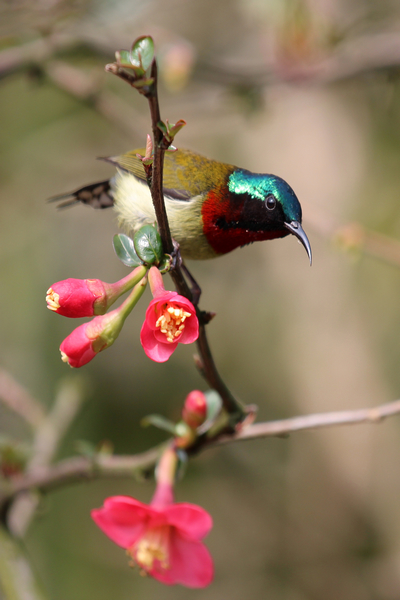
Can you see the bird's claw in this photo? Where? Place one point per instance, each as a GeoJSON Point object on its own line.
{"type": "Point", "coordinates": [171, 261]}
{"type": "Point", "coordinates": [176, 256]}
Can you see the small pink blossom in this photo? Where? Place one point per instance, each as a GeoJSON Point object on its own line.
{"type": "Point", "coordinates": [170, 319]}
{"type": "Point", "coordinates": [75, 297]}
{"type": "Point", "coordinates": [163, 538]}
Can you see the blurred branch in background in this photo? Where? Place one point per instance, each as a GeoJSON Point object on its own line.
{"type": "Point", "coordinates": [17, 579]}
{"type": "Point", "coordinates": [349, 59]}
{"type": "Point", "coordinates": [353, 237]}
{"type": "Point", "coordinates": [48, 434]}
{"type": "Point", "coordinates": [46, 478]}
{"type": "Point", "coordinates": [352, 58]}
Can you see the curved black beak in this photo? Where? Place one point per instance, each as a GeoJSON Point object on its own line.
{"type": "Point", "coordinates": [297, 230]}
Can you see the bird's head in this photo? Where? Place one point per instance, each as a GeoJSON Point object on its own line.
{"type": "Point", "coordinates": [269, 208]}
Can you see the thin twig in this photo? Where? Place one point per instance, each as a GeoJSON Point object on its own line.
{"type": "Point", "coordinates": [208, 368]}
{"type": "Point", "coordinates": [315, 421]}
{"type": "Point", "coordinates": [79, 469]}
{"type": "Point", "coordinates": [158, 166]}
{"type": "Point", "coordinates": [75, 470]}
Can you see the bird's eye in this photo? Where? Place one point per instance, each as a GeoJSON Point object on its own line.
{"type": "Point", "coordinates": [270, 202]}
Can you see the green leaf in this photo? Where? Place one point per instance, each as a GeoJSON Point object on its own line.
{"type": "Point", "coordinates": [183, 461]}
{"type": "Point", "coordinates": [123, 58]}
{"type": "Point", "coordinates": [148, 245]}
{"type": "Point", "coordinates": [125, 250]}
{"type": "Point", "coordinates": [85, 448]}
{"type": "Point", "coordinates": [142, 52]}
{"type": "Point", "coordinates": [140, 83]}
{"type": "Point", "coordinates": [214, 406]}
{"type": "Point", "coordinates": [174, 128]}
{"type": "Point", "coordinates": [162, 127]}
{"type": "Point", "coordinates": [160, 422]}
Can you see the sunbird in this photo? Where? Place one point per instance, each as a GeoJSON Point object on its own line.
{"type": "Point", "coordinates": [212, 207]}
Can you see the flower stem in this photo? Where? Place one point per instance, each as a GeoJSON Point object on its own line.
{"type": "Point", "coordinates": [115, 290]}
{"type": "Point", "coordinates": [129, 304]}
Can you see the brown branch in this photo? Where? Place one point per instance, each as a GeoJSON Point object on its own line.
{"type": "Point", "coordinates": [210, 373]}
{"type": "Point", "coordinates": [315, 421]}
{"type": "Point", "coordinates": [74, 470]}
{"type": "Point", "coordinates": [208, 368]}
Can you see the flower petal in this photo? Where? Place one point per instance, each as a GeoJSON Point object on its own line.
{"type": "Point", "coordinates": [190, 519]}
{"type": "Point", "coordinates": [157, 351]}
{"type": "Point", "coordinates": [122, 519]}
{"type": "Point", "coordinates": [191, 562]}
{"type": "Point", "coordinates": [191, 331]}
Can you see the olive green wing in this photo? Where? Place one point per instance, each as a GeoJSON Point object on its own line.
{"type": "Point", "coordinates": [186, 174]}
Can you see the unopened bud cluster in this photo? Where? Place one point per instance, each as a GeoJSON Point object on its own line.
{"type": "Point", "coordinates": [170, 318]}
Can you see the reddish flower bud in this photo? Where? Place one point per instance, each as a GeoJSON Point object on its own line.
{"type": "Point", "coordinates": [77, 348]}
{"type": "Point", "coordinates": [88, 297]}
{"type": "Point", "coordinates": [194, 411]}
{"type": "Point", "coordinates": [82, 345]}
{"type": "Point", "coordinates": [75, 297]}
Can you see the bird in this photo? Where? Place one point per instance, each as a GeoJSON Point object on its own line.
{"type": "Point", "coordinates": [212, 207]}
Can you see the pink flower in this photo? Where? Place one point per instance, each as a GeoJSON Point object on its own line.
{"type": "Point", "coordinates": [75, 297]}
{"type": "Point", "coordinates": [162, 538]}
{"type": "Point", "coordinates": [82, 345]}
{"type": "Point", "coordinates": [170, 319]}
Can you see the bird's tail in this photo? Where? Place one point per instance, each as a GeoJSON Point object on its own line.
{"type": "Point", "coordinates": [96, 195]}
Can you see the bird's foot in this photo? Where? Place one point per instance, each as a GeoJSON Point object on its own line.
{"type": "Point", "coordinates": [171, 261]}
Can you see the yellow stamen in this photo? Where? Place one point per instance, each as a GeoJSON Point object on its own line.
{"type": "Point", "coordinates": [64, 357]}
{"type": "Point", "coordinates": [154, 545]}
{"type": "Point", "coordinates": [171, 322]}
{"type": "Point", "coordinates": [52, 299]}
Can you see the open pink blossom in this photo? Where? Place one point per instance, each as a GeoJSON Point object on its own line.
{"type": "Point", "coordinates": [170, 319]}
{"type": "Point", "coordinates": [162, 538]}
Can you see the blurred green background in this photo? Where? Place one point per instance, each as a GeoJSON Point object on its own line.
{"type": "Point", "coordinates": [273, 86]}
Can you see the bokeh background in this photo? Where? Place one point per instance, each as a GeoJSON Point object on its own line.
{"type": "Point", "coordinates": [308, 90]}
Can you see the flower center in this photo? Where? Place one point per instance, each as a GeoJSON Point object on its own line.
{"type": "Point", "coordinates": [172, 321]}
{"type": "Point", "coordinates": [52, 299]}
{"type": "Point", "coordinates": [154, 545]}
